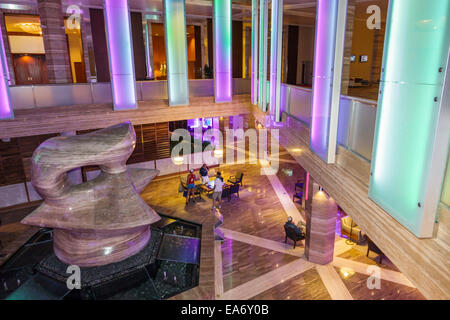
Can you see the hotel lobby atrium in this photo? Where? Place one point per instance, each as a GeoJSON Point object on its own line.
{"type": "Point", "coordinates": [224, 150]}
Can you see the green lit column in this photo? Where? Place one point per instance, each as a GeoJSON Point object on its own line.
{"type": "Point", "coordinates": [412, 126]}
{"type": "Point", "coordinates": [263, 33]}
{"type": "Point", "coordinates": [176, 52]}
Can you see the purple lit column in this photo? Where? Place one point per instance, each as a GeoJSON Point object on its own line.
{"type": "Point", "coordinates": [276, 34]}
{"type": "Point", "coordinates": [222, 50]}
{"type": "Point", "coordinates": [329, 48]}
{"type": "Point", "coordinates": [5, 99]}
{"type": "Point", "coordinates": [118, 34]}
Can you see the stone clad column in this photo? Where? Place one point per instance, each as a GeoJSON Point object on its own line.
{"type": "Point", "coordinates": [6, 53]}
{"type": "Point", "coordinates": [321, 213]}
{"type": "Point", "coordinates": [55, 43]}
{"type": "Point", "coordinates": [5, 99]}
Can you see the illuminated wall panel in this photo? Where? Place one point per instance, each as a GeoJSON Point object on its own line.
{"type": "Point", "coordinates": [329, 50]}
{"type": "Point", "coordinates": [176, 49]}
{"type": "Point", "coordinates": [412, 131]}
{"type": "Point", "coordinates": [5, 99]}
{"type": "Point", "coordinates": [263, 32]}
{"type": "Point", "coordinates": [120, 50]}
{"type": "Point", "coordinates": [255, 35]}
{"type": "Point", "coordinates": [222, 50]}
{"type": "Point", "coordinates": [276, 35]}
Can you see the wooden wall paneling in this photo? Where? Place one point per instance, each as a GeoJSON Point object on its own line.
{"type": "Point", "coordinates": [138, 152]}
{"type": "Point", "coordinates": [149, 141]}
{"type": "Point", "coordinates": [162, 140]}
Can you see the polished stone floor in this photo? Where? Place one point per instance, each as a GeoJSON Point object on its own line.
{"type": "Point", "coordinates": [254, 262]}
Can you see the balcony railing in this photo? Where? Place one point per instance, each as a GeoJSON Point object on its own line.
{"type": "Point", "coordinates": [58, 95]}
{"type": "Point", "coordinates": [356, 126]}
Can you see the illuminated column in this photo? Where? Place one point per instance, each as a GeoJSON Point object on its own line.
{"type": "Point", "coordinates": [276, 36]}
{"type": "Point", "coordinates": [176, 50]}
{"type": "Point", "coordinates": [255, 36]}
{"type": "Point", "coordinates": [148, 48]}
{"type": "Point", "coordinates": [263, 32]}
{"type": "Point", "coordinates": [329, 53]}
{"type": "Point", "coordinates": [120, 52]}
{"type": "Point", "coordinates": [222, 50]}
{"type": "Point", "coordinates": [5, 99]}
{"type": "Point", "coordinates": [412, 128]}
{"type": "Point", "coordinates": [321, 214]}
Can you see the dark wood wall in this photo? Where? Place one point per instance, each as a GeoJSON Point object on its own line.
{"type": "Point", "coordinates": [237, 48]}
{"type": "Point", "coordinates": [152, 143]}
{"type": "Point", "coordinates": [198, 52]}
{"type": "Point", "coordinates": [292, 54]}
{"type": "Point", "coordinates": [100, 46]}
{"type": "Point", "coordinates": [137, 31]}
{"type": "Point", "coordinates": [210, 44]}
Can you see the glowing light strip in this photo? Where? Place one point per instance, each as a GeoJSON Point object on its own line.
{"type": "Point", "coordinates": [275, 58]}
{"type": "Point", "coordinates": [412, 132]}
{"type": "Point", "coordinates": [5, 98]}
{"type": "Point", "coordinates": [255, 36]}
{"type": "Point", "coordinates": [263, 26]}
{"type": "Point", "coordinates": [222, 50]}
{"type": "Point", "coordinates": [176, 51]}
{"type": "Point", "coordinates": [147, 50]}
{"type": "Point", "coordinates": [120, 50]}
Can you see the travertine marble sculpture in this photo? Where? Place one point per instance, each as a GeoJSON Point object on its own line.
{"type": "Point", "coordinates": [97, 222]}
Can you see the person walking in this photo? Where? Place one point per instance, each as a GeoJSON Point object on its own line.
{"type": "Point", "coordinates": [217, 192]}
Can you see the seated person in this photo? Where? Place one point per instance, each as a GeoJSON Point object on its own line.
{"type": "Point", "coordinates": [290, 224]}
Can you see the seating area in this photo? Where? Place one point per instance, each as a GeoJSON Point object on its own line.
{"type": "Point", "coordinates": [228, 190]}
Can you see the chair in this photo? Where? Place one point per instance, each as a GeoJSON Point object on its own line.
{"type": "Point", "coordinates": [234, 189]}
{"type": "Point", "coordinates": [298, 193]}
{"type": "Point", "coordinates": [237, 179]}
{"type": "Point", "coordinates": [373, 247]}
{"type": "Point", "coordinates": [291, 234]}
{"type": "Point", "coordinates": [351, 229]}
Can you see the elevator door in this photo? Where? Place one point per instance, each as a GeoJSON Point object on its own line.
{"type": "Point", "coordinates": [30, 69]}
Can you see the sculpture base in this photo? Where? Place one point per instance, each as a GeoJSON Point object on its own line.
{"type": "Point", "coordinates": [94, 248]}
{"type": "Point", "coordinates": [53, 267]}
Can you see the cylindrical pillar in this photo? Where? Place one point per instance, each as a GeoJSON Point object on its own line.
{"type": "Point", "coordinates": [222, 50]}
{"type": "Point", "coordinates": [263, 34]}
{"type": "Point", "coordinates": [276, 35]}
{"type": "Point", "coordinates": [255, 35]}
{"type": "Point", "coordinates": [176, 50]}
{"type": "Point", "coordinates": [321, 214]}
{"type": "Point", "coordinates": [120, 49]}
{"type": "Point", "coordinates": [55, 42]}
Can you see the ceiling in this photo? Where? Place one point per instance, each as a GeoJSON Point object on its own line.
{"type": "Point", "coordinates": [298, 12]}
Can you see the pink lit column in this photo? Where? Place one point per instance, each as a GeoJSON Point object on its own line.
{"type": "Point", "coordinates": [328, 61]}
{"type": "Point", "coordinates": [120, 49]}
{"type": "Point", "coordinates": [5, 99]}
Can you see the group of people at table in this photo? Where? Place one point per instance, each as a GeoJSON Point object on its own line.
{"type": "Point", "coordinates": [215, 186]}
